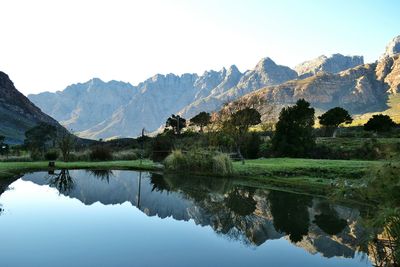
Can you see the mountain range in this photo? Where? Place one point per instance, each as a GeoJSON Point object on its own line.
{"type": "Point", "coordinates": [97, 109]}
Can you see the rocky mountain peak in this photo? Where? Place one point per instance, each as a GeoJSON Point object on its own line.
{"type": "Point", "coordinates": [265, 64]}
{"type": "Point", "coordinates": [334, 63]}
{"type": "Point", "coordinates": [392, 48]}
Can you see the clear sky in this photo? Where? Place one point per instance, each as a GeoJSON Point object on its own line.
{"type": "Point", "coordinates": [46, 45]}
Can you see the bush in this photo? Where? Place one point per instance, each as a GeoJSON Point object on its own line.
{"type": "Point", "coordinates": [80, 156]}
{"type": "Point", "coordinates": [222, 164]}
{"type": "Point", "coordinates": [176, 161]}
{"type": "Point", "coordinates": [199, 161]}
{"type": "Point", "coordinates": [161, 147]}
{"type": "Point", "coordinates": [265, 150]}
{"type": "Point", "coordinates": [100, 153]}
{"type": "Point", "coordinates": [251, 146]}
{"type": "Point", "coordinates": [51, 154]}
{"type": "Point", "coordinates": [36, 155]}
{"type": "Point", "coordinates": [126, 155]}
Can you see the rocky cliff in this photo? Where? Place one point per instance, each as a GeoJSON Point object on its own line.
{"type": "Point", "coordinates": [333, 64]}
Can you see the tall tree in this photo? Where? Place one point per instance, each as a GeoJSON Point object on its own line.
{"type": "Point", "coordinates": [238, 126]}
{"type": "Point", "coordinates": [333, 118]}
{"type": "Point", "coordinates": [380, 123]}
{"type": "Point", "coordinates": [66, 144]}
{"type": "Point", "coordinates": [38, 137]}
{"type": "Point", "coordinates": [293, 136]}
{"type": "Point", "coordinates": [202, 119]}
{"type": "Point", "coordinates": [177, 123]}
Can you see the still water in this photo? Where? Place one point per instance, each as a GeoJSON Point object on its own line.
{"type": "Point", "coordinates": [126, 218]}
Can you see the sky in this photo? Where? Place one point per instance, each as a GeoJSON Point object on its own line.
{"type": "Point", "coordinates": [46, 45]}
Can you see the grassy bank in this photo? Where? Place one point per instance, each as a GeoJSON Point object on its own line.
{"type": "Point", "coordinates": [307, 175]}
{"type": "Point", "coordinates": [9, 169]}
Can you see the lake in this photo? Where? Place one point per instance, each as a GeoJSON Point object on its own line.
{"type": "Point", "coordinates": [128, 218]}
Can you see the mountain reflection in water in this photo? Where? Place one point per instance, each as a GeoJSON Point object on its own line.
{"type": "Point", "coordinates": [248, 215]}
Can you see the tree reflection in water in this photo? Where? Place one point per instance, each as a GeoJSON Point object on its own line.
{"type": "Point", "coordinates": [62, 181]}
{"type": "Point", "coordinates": [290, 213]}
{"type": "Point", "coordinates": [102, 175]}
{"type": "Point", "coordinates": [329, 220]}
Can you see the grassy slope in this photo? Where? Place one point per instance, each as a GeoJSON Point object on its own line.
{"type": "Point", "coordinates": [393, 111]}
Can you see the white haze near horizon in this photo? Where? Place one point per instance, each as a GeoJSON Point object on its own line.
{"type": "Point", "coordinates": [46, 45]}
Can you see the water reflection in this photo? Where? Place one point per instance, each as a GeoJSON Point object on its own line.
{"type": "Point", "coordinates": [62, 181]}
{"type": "Point", "coordinates": [249, 215]}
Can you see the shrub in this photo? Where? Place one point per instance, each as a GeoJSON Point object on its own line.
{"type": "Point", "coordinates": [80, 156]}
{"type": "Point", "coordinates": [199, 161]}
{"type": "Point", "coordinates": [176, 161]}
{"type": "Point", "coordinates": [222, 164]}
{"type": "Point", "coordinates": [161, 147]}
{"type": "Point", "coordinates": [126, 155]}
{"type": "Point", "coordinates": [266, 150]}
{"type": "Point", "coordinates": [51, 154]}
{"type": "Point", "coordinates": [36, 155]}
{"type": "Point", "coordinates": [100, 153]}
{"type": "Point", "coordinates": [251, 146]}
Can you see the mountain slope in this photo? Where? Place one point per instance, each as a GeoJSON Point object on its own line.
{"type": "Point", "coordinates": [17, 112]}
{"type": "Point", "coordinates": [365, 88]}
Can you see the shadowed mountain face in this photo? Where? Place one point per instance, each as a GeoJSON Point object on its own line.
{"type": "Point", "coordinates": [248, 215]}
{"type": "Point", "coordinates": [17, 112]}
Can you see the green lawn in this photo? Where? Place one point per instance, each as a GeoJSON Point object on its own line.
{"type": "Point", "coordinates": [349, 169]}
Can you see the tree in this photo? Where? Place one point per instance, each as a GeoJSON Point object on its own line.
{"type": "Point", "coordinates": [202, 119]}
{"type": "Point", "coordinates": [333, 118]}
{"type": "Point", "coordinates": [238, 126]}
{"type": "Point", "coordinates": [176, 123]}
{"type": "Point", "coordinates": [380, 123]}
{"type": "Point", "coordinates": [3, 146]}
{"type": "Point", "coordinates": [38, 137]}
{"type": "Point", "coordinates": [66, 143]}
{"type": "Point", "coordinates": [293, 136]}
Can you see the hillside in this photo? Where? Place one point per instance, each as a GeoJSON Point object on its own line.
{"type": "Point", "coordinates": [17, 112]}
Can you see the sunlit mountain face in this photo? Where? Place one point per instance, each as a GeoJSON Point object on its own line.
{"type": "Point", "coordinates": [175, 215]}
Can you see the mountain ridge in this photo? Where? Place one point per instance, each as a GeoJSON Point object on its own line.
{"type": "Point", "coordinates": [118, 109]}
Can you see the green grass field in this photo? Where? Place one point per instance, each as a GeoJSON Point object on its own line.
{"type": "Point", "coordinates": [286, 167]}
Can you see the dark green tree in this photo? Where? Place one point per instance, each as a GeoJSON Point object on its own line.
{"type": "Point", "coordinates": [177, 123]}
{"type": "Point", "coordinates": [333, 118]}
{"type": "Point", "coordinates": [237, 126]}
{"type": "Point", "coordinates": [41, 136]}
{"type": "Point", "coordinates": [380, 123]}
{"type": "Point", "coordinates": [294, 131]}
{"type": "Point", "coordinates": [202, 119]}
{"type": "Point", "coordinates": [290, 214]}
{"type": "Point", "coordinates": [66, 143]}
{"type": "Point", "coordinates": [4, 148]}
